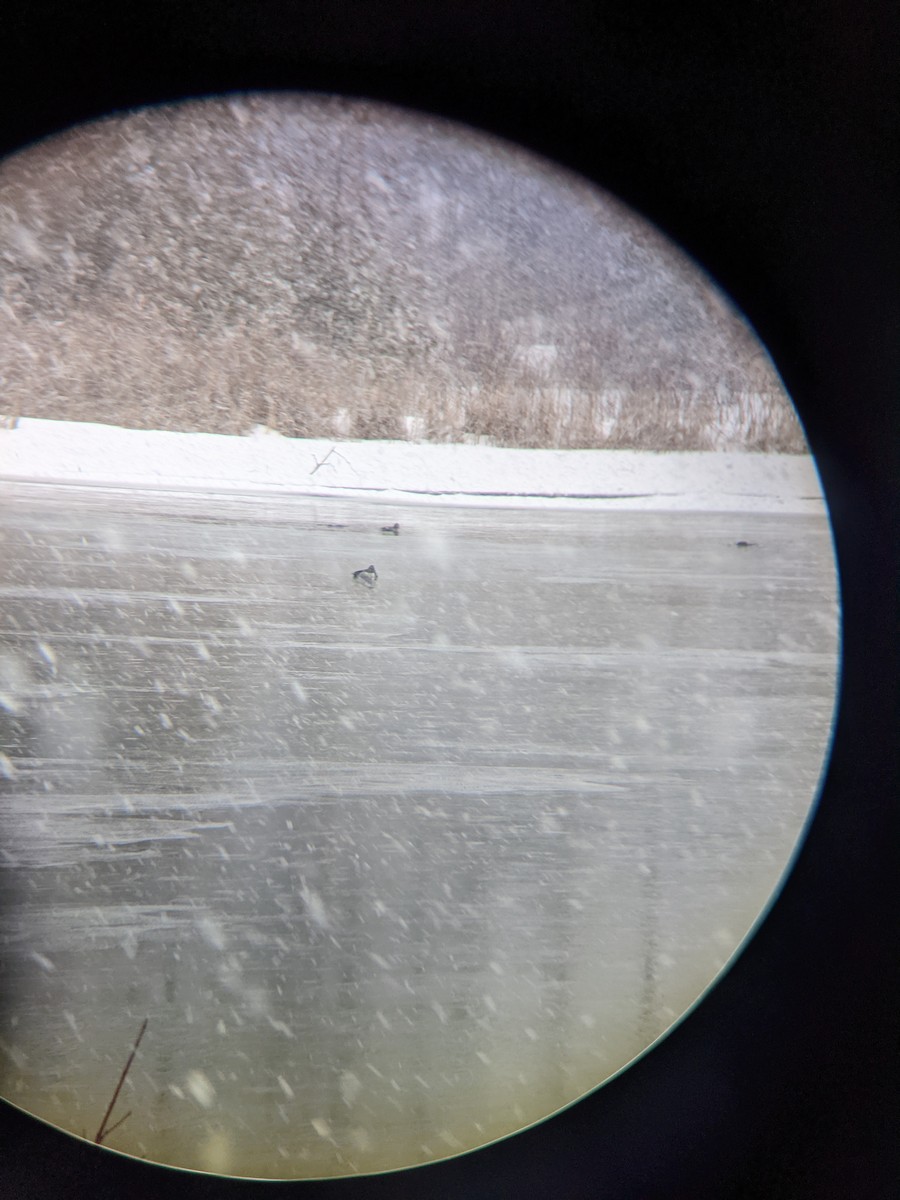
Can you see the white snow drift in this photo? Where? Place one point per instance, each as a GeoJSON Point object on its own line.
{"type": "Point", "coordinates": [65, 452]}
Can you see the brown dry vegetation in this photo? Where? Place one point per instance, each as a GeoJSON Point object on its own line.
{"type": "Point", "coordinates": [331, 269]}
{"type": "Point", "coordinates": [146, 378]}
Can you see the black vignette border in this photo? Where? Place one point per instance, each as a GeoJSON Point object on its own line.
{"type": "Point", "coordinates": [763, 138]}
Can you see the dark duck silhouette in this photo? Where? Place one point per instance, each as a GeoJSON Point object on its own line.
{"type": "Point", "coordinates": [394, 529]}
{"type": "Point", "coordinates": [367, 575]}
{"type": "Point", "coordinates": [744, 545]}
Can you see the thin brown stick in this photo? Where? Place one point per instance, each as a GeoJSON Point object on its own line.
{"type": "Point", "coordinates": [103, 1131]}
{"type": "Point", "coordinates": [113, 1128]}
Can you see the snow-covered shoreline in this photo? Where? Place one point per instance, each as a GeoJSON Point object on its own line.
{"type": "Point", "coordinates": [70, 453]}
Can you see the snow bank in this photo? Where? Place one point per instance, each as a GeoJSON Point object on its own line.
{"type": "Point", "coordinates": [64, 452]}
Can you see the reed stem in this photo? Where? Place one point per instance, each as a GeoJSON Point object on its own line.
{"type": "Point", "coordinates": [102, 1132]}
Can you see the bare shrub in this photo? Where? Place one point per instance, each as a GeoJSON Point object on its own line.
{"type": "Point", "coordinates": [148, 375]}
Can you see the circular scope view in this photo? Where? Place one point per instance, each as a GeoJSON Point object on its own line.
{"type": "Point", "coordinates": [418, 635]}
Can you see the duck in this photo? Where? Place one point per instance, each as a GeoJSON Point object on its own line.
{"type": "Point", "coordinates": [394, 529]}
{"type": "Point", "coordinates": [366, 575]}
{"type": "Point", "coordinates": [744, 545]}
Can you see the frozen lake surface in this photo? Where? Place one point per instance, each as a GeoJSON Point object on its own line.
{"type": "Point", "coordinates": [391, 870]}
